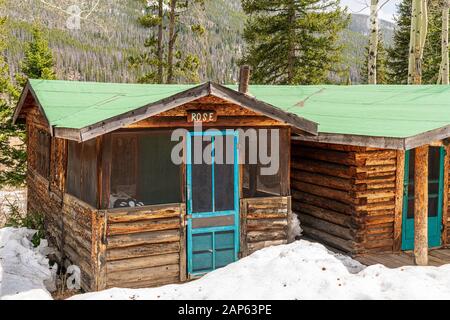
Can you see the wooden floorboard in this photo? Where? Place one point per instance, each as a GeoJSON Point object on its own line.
{"type": "Point", "coordinates": [436, 257]}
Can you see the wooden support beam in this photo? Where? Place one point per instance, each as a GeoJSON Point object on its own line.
{"type": "Point", "coordinates": [421, 206]}
{"type": "Point", "coordinates": [400, 174]}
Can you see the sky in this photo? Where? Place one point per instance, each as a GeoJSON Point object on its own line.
{"type": "Point", "coordinates": [362, 6]}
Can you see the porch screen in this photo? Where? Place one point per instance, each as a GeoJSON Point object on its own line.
{"type": "Point", "coordinates": [42, 156]}
{"type": "Point", "coordinates": [256, 183]}
{"type": "Point", "coordinates": [142, 171]}
{"type": "Point", "coordinates": [81, 179]}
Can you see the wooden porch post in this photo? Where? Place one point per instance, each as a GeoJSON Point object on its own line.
{"type": "Point", "coordinates": [421, 206]}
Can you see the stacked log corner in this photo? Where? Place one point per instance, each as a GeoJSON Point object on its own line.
{"type": "Point", "coordinates": [345, 196]}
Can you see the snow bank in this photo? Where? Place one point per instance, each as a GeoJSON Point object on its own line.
{"type": "Point", "coordinates": [300, 270]}
{"type": "Point", "coordinates": [24, 270]}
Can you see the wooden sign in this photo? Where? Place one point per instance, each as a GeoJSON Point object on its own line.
{"type": "Point", "coordinates": [202, 116]}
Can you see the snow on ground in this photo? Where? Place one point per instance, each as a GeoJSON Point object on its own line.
{"type": "Point", "coordinates": [24, 270]}
{"type": "Point", "coordinates": [300, 270]}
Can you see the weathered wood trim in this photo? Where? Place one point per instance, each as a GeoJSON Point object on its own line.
{"type": "Point", "coordinates": [21, 102]}
{"type": "Point", "coordinates": [355, 140]}
{"type": "Point", "coordinates": [99, 226]}
{"type": "Point", "coordinates": [427, 137]}
{"type": "Point", "coordinates": [421, 206]}
{"type": "Point", "coordinates": [70, 198]}
{"type": "Point", "coordinates": [146, 111]}
{"type": "Point", "coordinates": [183, 267]}
{"type": "Point", "coordinates": [128, 118]}
{"type": "Point", "coordinates": [106, 157]}
{"type": "Point", "coordinates": [407, 143]}
{"type": "Point", "coordinates": [29, 89]}
{"type": "Point", "coordinates": [243, 228]}
{"type": "Point", "coordinates": [100, 174]}
{"type": "Point", "coordinates": [67, 133]}
{"type": "Point", "coordinates": [399, 180]}
{"type": "Point", "coordinates": [157, 122]}
{"type": "Point", "coordinates": [271, 111]}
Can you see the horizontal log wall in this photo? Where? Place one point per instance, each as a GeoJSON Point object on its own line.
{"type": "Point", "coordinates": [145, 246]}
{"type": "Point", "coordinates": [345, 195]}
{"type": "Point", "coordinates": [41, 201]}
{"type": "Point", "coordinates": [264, 222]}
{"type": "Point", "coordinates": [78, 241]}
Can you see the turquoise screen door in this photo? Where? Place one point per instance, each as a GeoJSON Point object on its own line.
{"type": "Point", "coordinates": [212, 200]}
{"type": "Point", "coordinates": [436, 157]}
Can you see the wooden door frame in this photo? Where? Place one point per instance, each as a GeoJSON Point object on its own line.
{"type": "Point", "coordinates": [402, 174]}
{"type": "Point", "coordinates": [189, 215]}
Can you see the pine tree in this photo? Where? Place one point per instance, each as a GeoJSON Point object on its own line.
{"type": "Point", "coordinates": [163, 61]}
{"type": "Point", "coordinates": [397, 63]}
{"type": "Point", "coordinates": [292, 41]}
{"type": "Point", "coordinates": [398, 53]}
{"type": "Point", "coordinates": [38, 62]}
{"type": "Point", "coordinates": [432, 52]}
{"type": "Point", "coordinates": [381, 63]}
{"type": "Point", "coordinates": [12, 153]}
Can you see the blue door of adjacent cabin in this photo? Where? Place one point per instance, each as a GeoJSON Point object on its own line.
{"type": "Point", "coordinates": [436, 157]}
{"type": "Point", "coordinates": [212, 200]}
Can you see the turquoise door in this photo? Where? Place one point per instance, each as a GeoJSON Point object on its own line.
{"type": "Point", "coordinates": [436, 158]}
{"type": "Point", "coordinates": [212, 200]}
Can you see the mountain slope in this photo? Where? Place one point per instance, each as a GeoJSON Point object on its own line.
{"type": "Point", "coordinates": [99, 49]}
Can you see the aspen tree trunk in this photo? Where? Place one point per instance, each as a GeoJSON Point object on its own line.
{"type": "Point", "coordinates": [419, 28]}
{"type": "Point", "coordinates": [373, 43]}
{"type": "Point", "coordinates": [172, 39]}
{"type": "Point", "coordinates": [421, 206]}
{"type": "Point", "coordinates": [291, 43]}
{"type": "Point", "coordinates": [444, 76]}
{"type": "Point", "coordinates": [160, 39]}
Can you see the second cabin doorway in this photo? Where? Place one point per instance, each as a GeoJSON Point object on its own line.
{"type": "Point", "coordinates": [436, 156]}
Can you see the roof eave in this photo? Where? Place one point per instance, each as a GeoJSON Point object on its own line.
{"type": "Point", "coordinates": [397, 143]}
{"type": "Point", "coordinates": [21, 102]}
{"type": "Point", "coordinates": [133, 116]}
{"type": "Point", "coordinates": [208, 88]}
{"type": "Point", "coordinates": [305, 126]}
{"type": "Point", "coordinates": [28, 89]}
{"type": "Point", "coordinates": [355, 140]}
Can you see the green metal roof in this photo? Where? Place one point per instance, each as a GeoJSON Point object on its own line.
{"type": "Point", "coordinates": [75, 104]}
{"type": "Point", "coordinates": [396, 111]}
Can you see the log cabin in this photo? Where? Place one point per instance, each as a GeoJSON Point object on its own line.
{"type": "Point", "coordinates": [374, 180]}
{"type": "Point", "coordinates": [363, 167]}
{"type": "Point", "coordinates": [122, 208]}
